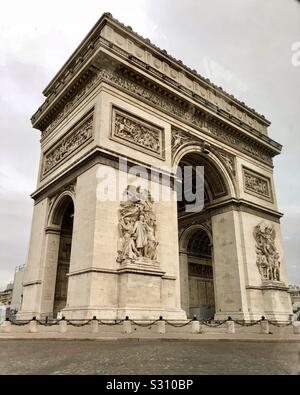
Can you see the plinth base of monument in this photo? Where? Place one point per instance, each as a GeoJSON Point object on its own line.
{"type": "Point", "coordinates": [141, 265]}
{"type": "Point", "coordinates": [134, 313]}
{"type": "Point", "coordinates": [271, 284]}
{"type": "Point", "coordinates": [151, 314]}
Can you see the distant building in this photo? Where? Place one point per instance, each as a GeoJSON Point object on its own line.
{"type": "Point", "coordinates": [17, 293]}
{"type": "Point", "coordinates": [294, 291]}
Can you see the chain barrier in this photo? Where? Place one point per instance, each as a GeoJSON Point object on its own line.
{"type": "Point", "coordinates": [178, 325]}
{"type": "Point", "coordinates": [243, 323]}
{"type": "Point", "coordinates": [78, 325]}
{"type": "Point", "coordinates": [208, 323]}
{"type": "Point", "coordinates": [47, 323]}
{"type": "Point", "coordinates": [19, 323]}
{"type": "Point", "coordinates": [144, 325]}
{"type": "Point", "coordinates": [214, 324]}
{"type": "Point", "coordinates": [280, 324]}
{"type": "Point", "coordinates": [110, 323]}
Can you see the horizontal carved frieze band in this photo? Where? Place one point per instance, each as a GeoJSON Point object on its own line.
{"type": "Point", "coordinates": [163, 102]}
{"type": "Point", "coordinates": [76, 137]}
{"type": "Point", "coordinates": [257, 184]}
{"type": "Point", "coordinates": [137, 133]}
{"type": "Point", "coordinates": [193, 117]}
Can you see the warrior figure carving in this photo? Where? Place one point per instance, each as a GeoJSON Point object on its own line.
{"type": "Point", "coordinates": [137, 226]}
{"type": "Point", "coordinates": [267, 257]}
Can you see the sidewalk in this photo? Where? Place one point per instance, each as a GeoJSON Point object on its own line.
{"type": "Point", "coordinates": [110, 336]}
{"type": "Point", "coordinates": [134, 331]}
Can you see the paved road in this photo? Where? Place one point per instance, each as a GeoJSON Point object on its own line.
{"type": "Point", "coordinates": [147, 357]}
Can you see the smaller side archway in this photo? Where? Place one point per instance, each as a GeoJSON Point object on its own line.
{"type": "Point", "coordinates": [58, 207]}
{"type": "Point", "coordinates": [59, 233]}
{"type": "Point", "coordinates": [196, 272]}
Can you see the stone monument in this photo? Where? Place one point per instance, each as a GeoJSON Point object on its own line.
{"type": "Point", "coordinates": [120, 99]}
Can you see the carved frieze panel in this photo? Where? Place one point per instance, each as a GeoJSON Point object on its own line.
{"type": "Point", "coordinates": [134, 132]}
{"type": "Point", "coordinates": [74, 139]}
{"type": "Point", "coordinates": [257, 184]}
{"type": "Point", "coordinates": [267, 257]}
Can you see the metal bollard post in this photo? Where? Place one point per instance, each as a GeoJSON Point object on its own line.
{"type": "Point", "coordinates": [296, 327]}
{"type": "Point", "coordinates": [264, 326]}
{"type": "Point", "coordinates": [230, 325]}
{"type": "Point", "coordinates": [161, 325]}
{"type": "Point", "coordinates": [195, 325]}
{"type": "Point", "coordinates": [95, 325]}
{"type": "Point", "coordinates": [33, 326]}
{"type": "Point", "coordinates": [63, 325]}
{"type": "Point", "coordinates": [6, 326]}
{"type": "Point", "coordinates": [127, 325]}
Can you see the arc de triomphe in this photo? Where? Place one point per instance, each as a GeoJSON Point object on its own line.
{"type": "Point", "coordinates": [120, 99]}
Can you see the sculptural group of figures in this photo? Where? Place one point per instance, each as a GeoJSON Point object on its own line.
{"type": "Point", "coordinates": [69, 144]}
{"type": "Point", "coordinates": [137, 226]}
{"type": "Point", "coordinates": [267, 255]}
{"type": "Point", "coordinates": [133, 131]}
{"type": "Point", "coordinates": [256, 184]}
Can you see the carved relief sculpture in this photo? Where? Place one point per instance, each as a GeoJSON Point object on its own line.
{"type": "Point", "coordinates": [139, 133]}
{"type": "Point", "coordinates": [228, 160]}
{"type": "Point", "coordinates": [267, 257]}
{"type": "Point", "coordinates": [137, 226]}
{"type": "Point", "coordinates": [69, 144]}
{"type": "Point", "coordinates": [178, 139]}
{"type": "Point", "coordinates": [257, 184]}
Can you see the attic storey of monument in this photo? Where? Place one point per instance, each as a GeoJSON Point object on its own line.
{"type": "Point", "coordinates": [120, 98]}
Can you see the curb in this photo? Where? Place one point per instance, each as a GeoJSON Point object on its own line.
{"type": "Point", "coordinates": [166, 339]}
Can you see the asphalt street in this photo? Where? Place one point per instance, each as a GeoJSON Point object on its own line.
{"type": "Point", "coordinates": [147, 357]}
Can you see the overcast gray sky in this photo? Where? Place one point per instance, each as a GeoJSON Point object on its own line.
{"type": "Point", "coordinates": [243, 46]}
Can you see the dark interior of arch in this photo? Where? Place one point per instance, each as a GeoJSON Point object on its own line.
{"type": "Point", "coordinates": [65, 205]}
{"type": "Point", "coordinates": [67, 221]}
{"type": "Point", "coordinates": [64, 255]}
{"type": "Point", "coordinates": [199, 244]}
{"type": "Point", "coordinates": [214, 183]}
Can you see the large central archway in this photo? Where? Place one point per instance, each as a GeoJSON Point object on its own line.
{"type": "Point", "coordinates": [197, 266]}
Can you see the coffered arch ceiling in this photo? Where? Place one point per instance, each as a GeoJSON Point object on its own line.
{"type": "Point", "coordinates": [216, 185]}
